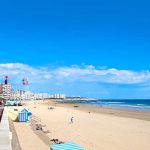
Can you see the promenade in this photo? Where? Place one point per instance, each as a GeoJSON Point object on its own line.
{"type": "Point", "coordinates": [5, 134]}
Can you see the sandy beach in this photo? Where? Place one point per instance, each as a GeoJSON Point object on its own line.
{"type": "Point", "coordinates": [92, 128]}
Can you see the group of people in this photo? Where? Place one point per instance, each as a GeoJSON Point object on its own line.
{"type": "Point", "coordinates": [50, 108]}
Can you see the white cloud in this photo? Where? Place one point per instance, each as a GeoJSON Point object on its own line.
{"type": "Point", "coordinates": [16, 71]}
{"type": "Point", "coordinates": [85, 73]}
{"type": "Point", "coordinates": [113, 75]}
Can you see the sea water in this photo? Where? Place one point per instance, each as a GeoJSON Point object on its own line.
{"type": "Point", "coordinates": [132, 104]}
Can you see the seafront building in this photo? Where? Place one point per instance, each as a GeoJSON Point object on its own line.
{"type": "Point", "coordinates": [22, 95]}
{"type": "Point", "coordinates": [28, 95]}
{"type": "Point", "coordinates": [58, 96]}
{"type": "Point", "coordinates": [49, 96]}
{"type": "Point", "coordinates": [5, 91]}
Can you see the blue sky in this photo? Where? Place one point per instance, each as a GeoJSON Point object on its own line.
{"type": "Point", "coordinates": [99, 41]}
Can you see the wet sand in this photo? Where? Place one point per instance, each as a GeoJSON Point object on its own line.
{"type": "Point", "coordinates": [137, 114]}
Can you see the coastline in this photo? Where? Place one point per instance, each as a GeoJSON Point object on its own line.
{"type": "Point", "coordinates": [92, 128]}
{"type": "Point", "coordinates": [121, 112]}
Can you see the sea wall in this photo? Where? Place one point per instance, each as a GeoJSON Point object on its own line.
{"type": "Point", "coordinates": [5, 134]}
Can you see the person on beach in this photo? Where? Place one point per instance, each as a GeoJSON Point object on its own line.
{"type": "Point", "coordinates": [71, 120]}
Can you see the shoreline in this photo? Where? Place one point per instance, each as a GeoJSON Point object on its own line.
{"type": "Point", "coordinates": [120, 112]}
{"type": "Point", "coordinates": [92, 128]}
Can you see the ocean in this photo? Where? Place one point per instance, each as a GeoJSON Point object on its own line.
{"type": "Point", "coordinates": [132, 104]}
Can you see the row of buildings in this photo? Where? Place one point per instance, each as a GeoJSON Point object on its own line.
{"type": "Point", "coordinates": [7, 93]}
{"type": "Point", "coordinates": [28, 95]}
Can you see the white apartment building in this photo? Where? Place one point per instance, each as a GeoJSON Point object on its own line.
{"type": "Point", "coordinates": [28, 95]}
{"type": "Point", "coordinates": [5, 91]}
{"type": "Point", "coordinates": [49, 96]}
{"type": "Point", "coordinates": [58, 96]}
{"type": "Point", "coordinates": [22, 95]}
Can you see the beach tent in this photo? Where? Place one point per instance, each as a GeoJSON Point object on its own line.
{"type": "Point", "coordinates": [13, 115]}
{"type": "Point", "coordinates": [66, 146]}
{"type": "Point", "coordinates": [23, 115]}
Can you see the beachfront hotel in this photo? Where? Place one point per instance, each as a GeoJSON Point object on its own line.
{"type": "Point", "coordinates": [28, 95]}
{"type": "Point", "coordinates": [5, 89]}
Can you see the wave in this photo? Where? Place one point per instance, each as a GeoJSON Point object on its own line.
{"type": "Point", "coordinates": [141, 104]}
{"type": "Point", "coordinates": [134, 107]}
{"type": "Point", "coordinates": [114, 102]}
{"type": "Point", "coordinates": [124, 103]}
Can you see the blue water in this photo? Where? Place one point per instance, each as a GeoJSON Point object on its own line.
{"type": "Point", "coordinates": [132, 104]}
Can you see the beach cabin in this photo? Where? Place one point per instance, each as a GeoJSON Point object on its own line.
{"type": "Point", "coordinates": [66, 146]}
{"type": "Point", "coordinates": [23, 115]}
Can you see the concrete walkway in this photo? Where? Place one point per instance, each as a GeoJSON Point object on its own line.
{"type": "Point", "coordinates": [5, 134]}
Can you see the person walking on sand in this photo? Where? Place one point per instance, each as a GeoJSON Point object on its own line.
{"type": "Point", "coordinates": [71, 120]}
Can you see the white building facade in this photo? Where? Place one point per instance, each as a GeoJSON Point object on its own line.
{"type": "Point", "coordinates": [5, 91]}
{"type": "Point", "coordinates": [28, 95]}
